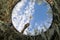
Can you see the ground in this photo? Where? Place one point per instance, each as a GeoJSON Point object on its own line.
{"type": "Point", "coordinates": [8, 32]}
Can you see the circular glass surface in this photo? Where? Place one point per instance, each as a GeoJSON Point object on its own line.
{"type": "Point", "coordinates": [31, 17]}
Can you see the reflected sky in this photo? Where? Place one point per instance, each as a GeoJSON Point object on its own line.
{"type": "Point", "coordinates": [37, 15]}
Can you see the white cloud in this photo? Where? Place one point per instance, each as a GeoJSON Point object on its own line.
{"type": "Point", "coordinates": [20, 19]}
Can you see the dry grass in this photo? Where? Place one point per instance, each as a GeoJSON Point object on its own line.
{"type": "Point", "coordinates": [9, 33]}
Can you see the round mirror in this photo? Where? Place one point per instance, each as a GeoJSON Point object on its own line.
{"type": "Point", "coordinates": [31, 17]}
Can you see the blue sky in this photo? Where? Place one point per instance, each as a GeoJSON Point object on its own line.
{"type": "Point", "coordinates": [39, 16]}
{"type": "Point", "coordinates": [40, 13]}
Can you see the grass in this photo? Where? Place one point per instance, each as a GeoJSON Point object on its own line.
{"type": "Point", "coordinates": [8, 32]}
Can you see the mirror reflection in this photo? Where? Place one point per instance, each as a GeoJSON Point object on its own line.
{"type": "Point", "coordinates": [31, 17]}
